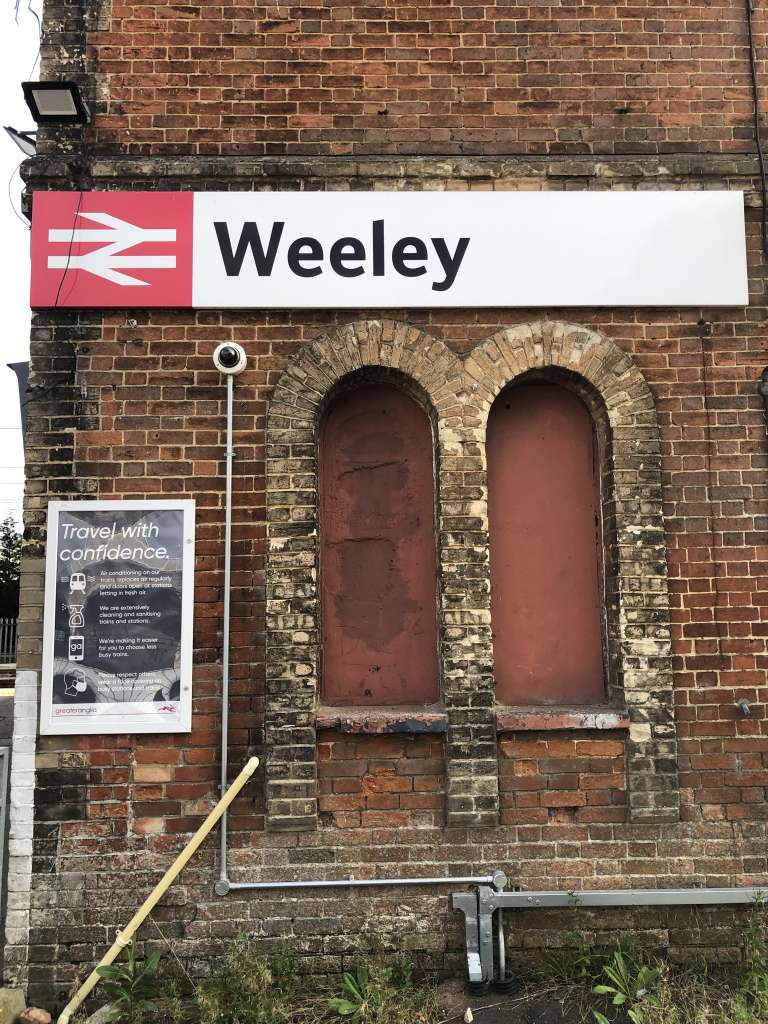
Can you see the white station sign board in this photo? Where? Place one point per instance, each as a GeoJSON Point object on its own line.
{"type": "Point", "coordinates": [117, 640]}
{"type": "Point", "coordinates": [290, 250]}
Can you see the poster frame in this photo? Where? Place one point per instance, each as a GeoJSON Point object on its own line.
{"type": "Point", "coordinates": [93, 725]}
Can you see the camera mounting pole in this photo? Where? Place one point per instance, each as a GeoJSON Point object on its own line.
{"type": "Point", "coordinates": [230, 359]}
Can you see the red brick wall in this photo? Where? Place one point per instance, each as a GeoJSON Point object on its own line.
{"type": "Point", "coordinates": [111, 810]}
{"type": "Point", "coordinates": [161, 416]}
{"type": "Point", "coordinates": [383, 77]}
{"type": "Point", "coordinates": [562, 778]}
{"type": "Point", "coordinates": [381, 781]}
{"type": "Point", "coordinates": [135, 409]}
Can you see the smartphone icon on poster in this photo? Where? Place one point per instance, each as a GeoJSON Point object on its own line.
{"type": "Point", "coordinates": [76, 648]}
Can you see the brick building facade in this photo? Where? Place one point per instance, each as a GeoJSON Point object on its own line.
{"type": "Point", "coordinates": [662, 785]}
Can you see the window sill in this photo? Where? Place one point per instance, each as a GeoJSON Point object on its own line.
{"type": "Point", "coordinates": [539, 719]}
{"type": "Point", "coordinates": [377, 721]}
{"type": "Point", "coordinates": [412, 720]}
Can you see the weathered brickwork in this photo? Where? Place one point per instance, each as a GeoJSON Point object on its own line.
{"type": "Point", "coordinates": [459, 394]}
{"type": "Point", "coordinates": [406, 77]}
{"type": "Point", "coordinates": [563, 777]}
{"type": "Point", "coordinates": [366, 782]}
{"type": "Point", "coordinates": [382, 798]}
{"type": "Point", "coordinates": [669, 788]}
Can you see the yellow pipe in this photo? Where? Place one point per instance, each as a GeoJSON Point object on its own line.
{"type": "Point", "coordinates": [170, 875]}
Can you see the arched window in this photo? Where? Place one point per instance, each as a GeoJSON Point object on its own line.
{"type": "Point", "coordinates": [545, 547]}
{"type": "Point", "coordinates": [377, 550]}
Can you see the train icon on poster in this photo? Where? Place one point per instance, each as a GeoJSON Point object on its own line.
{"type": "Point", "coordinates": [77, 582]}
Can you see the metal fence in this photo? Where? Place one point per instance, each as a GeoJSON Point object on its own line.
{"type": "Point", "coordinates": [7, 641]}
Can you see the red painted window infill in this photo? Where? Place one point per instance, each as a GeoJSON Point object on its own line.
{"type": "Point", "coordinates": [378, 558]}
{"type": "Point", "coordinates": [544, 518]}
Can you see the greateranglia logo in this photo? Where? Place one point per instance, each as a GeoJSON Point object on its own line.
{"type": "Point", "coordinates": [348, 256]}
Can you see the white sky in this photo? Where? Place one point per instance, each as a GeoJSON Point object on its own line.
{"type": "Point", "coordinates": [18, 51]}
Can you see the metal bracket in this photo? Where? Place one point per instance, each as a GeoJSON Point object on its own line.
{"type": "Point", "coordinates": [479, 907]}
{"type": "Point", "coordinates": [467, 903]}
{"type": "Point", "coordinates": [486, 900]}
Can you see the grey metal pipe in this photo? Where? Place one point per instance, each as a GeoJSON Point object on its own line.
{"type": "Point", "coordinates": [344, 883]}
{"type": "Point", "coordinates": [622, 898]}
{"type": "Point", "coordinates": [225, 630]}
{"type": "Point", "coordinates": [223, 884]}
{"type": "Point", "coordinates": [502, 945]}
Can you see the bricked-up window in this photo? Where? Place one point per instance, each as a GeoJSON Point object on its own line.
{"type": "Point", "coordinates": [545, 547]}
{"type": "Point", "coordinates": [377, 550]}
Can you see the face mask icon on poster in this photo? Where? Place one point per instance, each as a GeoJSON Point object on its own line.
{"type": "Point", "coordinates": [77, 582]}
{"type": "Point", "coordinates": [74, 683]}
{"type": "Point", "coordinates": [76, 615]}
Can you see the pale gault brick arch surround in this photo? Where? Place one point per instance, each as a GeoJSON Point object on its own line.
{"type": "Point", "coordinates": [460, 394]}
{"type": "Point", "coordinates": [293, 624]}
{"type": "Point", "coordinates": [639, 629]}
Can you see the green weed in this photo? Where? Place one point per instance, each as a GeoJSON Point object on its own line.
{"type": "Point", "coordinates": [132, 988]}
{"type": "Point", "coordinates": [577, 961]}
{"type": "Point", "coordinates": [633, 987]}
{"type": "Point", "coordinates": [377, 994]}
{"type": "Point", "coordinates": [249, 988]}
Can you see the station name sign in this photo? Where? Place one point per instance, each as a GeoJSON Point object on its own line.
{"type": "Point", "coordinates": [291, 250]}
{"type": "Point", "coordinates": [117, 639]}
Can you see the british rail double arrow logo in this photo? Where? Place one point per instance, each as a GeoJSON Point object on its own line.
{"type": "Point", "coordinates": [117, 236]}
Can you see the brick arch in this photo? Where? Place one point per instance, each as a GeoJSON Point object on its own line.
{"type": "Point", "coordinates": [639, 631]}
{"type": "Point", "coordinates": [396, 350]}
{"type": "Point", "coordinates": [461, 394]}
{"type": "Point", "coordinates": [322, 364]}
{"type": "Point", "coordinates": [546, 344]}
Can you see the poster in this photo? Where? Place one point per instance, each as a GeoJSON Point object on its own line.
{"type": "Point", "coordinates": [117, 644]}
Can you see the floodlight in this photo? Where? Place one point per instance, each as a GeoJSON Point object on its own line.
{"type": "Point", "coordinates": [24, 140]}
{"type": "Point", "coordinates": [56, 102]}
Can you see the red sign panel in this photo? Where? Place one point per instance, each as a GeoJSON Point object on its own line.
{"type": "Point", "coordinates": [123, 249]}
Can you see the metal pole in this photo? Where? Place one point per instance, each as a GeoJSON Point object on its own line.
{"type": "Point", "coordinates": [502, 946]}
{"type": "Point", "coordinates": [225, 639]}
{"type": "Point", "coordinates": [344, 883]}
{"type": "Point", "coordinates": [223, 885]}
{"type": "Point", "coordinates": [702, 896]}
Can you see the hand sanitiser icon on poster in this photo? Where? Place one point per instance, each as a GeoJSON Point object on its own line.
{"type": "Point", "coordinates": [76, 617]}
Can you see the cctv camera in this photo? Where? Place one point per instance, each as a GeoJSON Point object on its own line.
{"type": "Point", "coordinates": [229, 358]}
